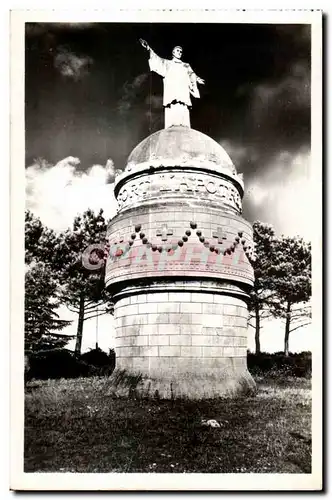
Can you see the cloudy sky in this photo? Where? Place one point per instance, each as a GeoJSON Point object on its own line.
{"type": "Point", "coordinates": [90, 98]}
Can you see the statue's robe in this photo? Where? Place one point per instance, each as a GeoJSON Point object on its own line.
{"type": "Point", "coordinates": [179, 82]}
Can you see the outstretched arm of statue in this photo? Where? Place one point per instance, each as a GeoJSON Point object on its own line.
{"type": "Point", "coordinates": [156, 63]}
{"type": "Point", "coordinates": [144, 44]}
{"type": "Point", "coordinates": [193, 77]}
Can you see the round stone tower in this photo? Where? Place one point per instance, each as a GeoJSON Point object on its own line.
{"type": "Point", "coordinates": [179, 267]}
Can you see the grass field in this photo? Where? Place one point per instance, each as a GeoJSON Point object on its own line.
{"type": "Point", "coordinates": [78, 425]}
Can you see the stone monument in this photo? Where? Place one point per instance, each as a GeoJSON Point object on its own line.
{"type": "Point", "coordinates": [179, 266]}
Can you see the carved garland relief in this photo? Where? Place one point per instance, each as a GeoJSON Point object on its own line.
{"type": "Point", "coordinates": [117, 248]}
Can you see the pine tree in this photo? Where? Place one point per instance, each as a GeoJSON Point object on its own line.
{"type": "Point", "coordinates": [83, 289]}
{"type": "Point", "coordinates": [80, 289]}
{"type": "Point", "coordinates": [42, 323]}
{"type": "Point", "coordinates": [292, 284]}
{"type": "Point", "coordinates": [262, 294]}
{"type": "Point", "coordinates": [40, 241]}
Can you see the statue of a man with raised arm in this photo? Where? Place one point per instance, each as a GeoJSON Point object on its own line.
{"type": "Point", "coordinates": [179, 82]}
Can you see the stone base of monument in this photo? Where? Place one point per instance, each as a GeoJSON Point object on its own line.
{"type": "Point", "coordinates": [187, 340]}
{"type": "Point", "coordinates": [225, 381]}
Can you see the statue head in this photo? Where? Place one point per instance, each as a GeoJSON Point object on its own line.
{"type": "Point", "coordinates": [177, 52]}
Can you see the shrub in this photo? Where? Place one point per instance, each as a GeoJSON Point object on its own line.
{"type": "Point", "coordinates": [62, 363]}
{"type": "Point", "coordinates": [295, 365]}
{"type": "Point", "coordinates": [104, 363]}
{"type": "Point", "coordinates": [56, 363]}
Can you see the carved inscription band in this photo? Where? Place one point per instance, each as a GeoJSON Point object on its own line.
{"type": "Point", "coordinates": [179, 183]}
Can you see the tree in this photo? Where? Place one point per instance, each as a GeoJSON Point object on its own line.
{"type": "Point", "coordinates": [40, 241]}
{"type": "Point", "coordinates": [42, 322]}
{"type": "Point", "coordinates": [292, 284]}
{"type": "Point", "coordinates": [82, 289]}
{"type": "Point", "coordinates": [262, 294]}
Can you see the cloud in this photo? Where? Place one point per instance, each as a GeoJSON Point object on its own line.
{"type": "Point", "coordinates": [291, 93]}
{"type": "Point", "coordinates": [57, 193]}
{"type": "Point", "coordinates": [77, 26]}
{"type": "Point", "coordinates": [299, 37]}
{"type": "Point", "coordinates": [46, 37]}
{"type": "Point", "coordinates": [155, 101]}
{"type": "Point", "coordinates": [131, 92]}
{"type": "Point", "coordinates": [37, 29]}
{"type": "Point", "coordinates": [239, 154]}
{"type": "Point", "coordinates": [282, 195]}
{"type": "Point", "coordinates": [71, 65]}
{"type": "Point", "coordinates": [154, 111]}
{"type": "Point", "coordinates": [111, 171]}
{"type": "Point", "coordinates": [276, 118]}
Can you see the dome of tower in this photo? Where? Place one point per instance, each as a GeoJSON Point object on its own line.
{"type": "Point", "coordinates": [180, 146]}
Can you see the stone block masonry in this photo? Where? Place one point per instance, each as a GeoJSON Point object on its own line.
{"type": "Point", "coordinates": [208, 325]}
